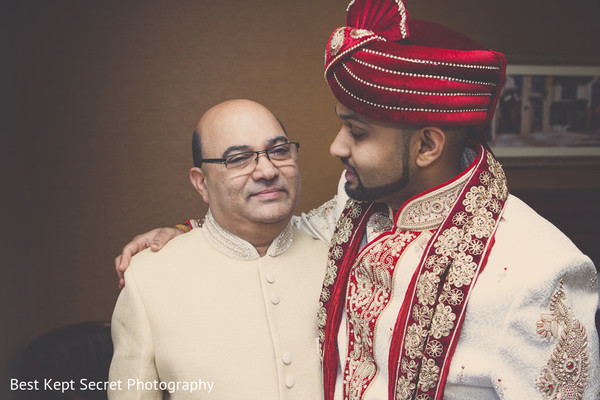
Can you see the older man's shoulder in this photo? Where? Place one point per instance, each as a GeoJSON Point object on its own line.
{"type": "Point", "coordinates": [177, 251]}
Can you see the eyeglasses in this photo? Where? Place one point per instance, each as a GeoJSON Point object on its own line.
{"type": "Point", "coordinates": [280, 154]}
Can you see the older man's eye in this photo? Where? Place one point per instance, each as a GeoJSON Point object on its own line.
{"type": "Point", "coordinates": [280, 152]}
{"type": "Point", "coordinates": [236, 160]}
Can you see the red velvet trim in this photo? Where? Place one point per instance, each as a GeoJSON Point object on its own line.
{"type": "Point", "coordinates": [335, 306]}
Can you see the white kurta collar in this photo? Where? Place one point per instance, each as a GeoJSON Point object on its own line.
{"type": "Point", "coordinates": [236, 247]}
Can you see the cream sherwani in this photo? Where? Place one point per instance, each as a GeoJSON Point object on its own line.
{"type": "Point", "coordinates": [208, 312]}
{"type": "Point", "coordinates": [536, 290]}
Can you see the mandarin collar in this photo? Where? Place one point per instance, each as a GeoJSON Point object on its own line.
{"type": "Point", "coordinates": [429, 209]}
{"type": "Point", "coordinates": [238, 248]}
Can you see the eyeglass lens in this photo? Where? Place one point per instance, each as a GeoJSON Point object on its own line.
{"type": "Point", "coordinates": [278, 153]}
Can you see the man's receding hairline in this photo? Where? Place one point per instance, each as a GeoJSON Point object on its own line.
{"type": "Point", "coordinates": [200, 128]}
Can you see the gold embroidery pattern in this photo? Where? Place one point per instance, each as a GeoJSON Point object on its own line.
{"type": "Point", "coordinates": [337, 40]}
{"type": "Point", "coordinates": [415, 338]}
{"type": "Point", "coordinates": [498, 185]}
{"type": "Point", "coordinates": [336, 252]}
{"type": "Point", "coordinates": [429, 376]}
{"type": "Point", "coordinates": [360, 33]}
{"type": "Point", "coordinates": [427, 287]}
{"type": "Point", "coordinates": [377, 224]}
{"type": "Point", "coordinates": [324, 210]}
{"type": "Point", "coordinates": [565, 374]}
{"type": "Point", "coordinates": [404, 388]}
{"type": "Point", "coordinates": [343, 231]}
{"type": "Point", "coordinates": [236, 247]}
{"type": "Point", "coordinates": [340, 236]}
{"type": "Point", "coordinates": [330, 273]}
{"type": "Point", "coordinates": [282, 242]}
{"type": "Point", "coordinates": [442, 321]}
{"type": "Point", "coordinates": [463, 270]}
{"type": "Point", "coordinates": [435, 348]}
{"type": "Point", "coordinates": [457, 250]}
{"type": "Point", "coordinates": [369, 292]}
{"type": "Point", "coordinates": [429, 211]}
{"type": "Point", "coordinates": [422, 315]}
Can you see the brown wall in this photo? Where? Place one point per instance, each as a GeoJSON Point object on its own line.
{"type": "Point", "coordinates": [112, 90]}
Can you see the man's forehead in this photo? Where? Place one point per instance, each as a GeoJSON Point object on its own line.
{"type": "Point", "coordinates": [250, 133]}
{"type": "Point", "coordinates": [235, 144]}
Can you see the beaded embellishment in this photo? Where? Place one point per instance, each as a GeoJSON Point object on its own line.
{"type": "Point", "coordinates": [565, 374]}
{"type": "Point", "coordinates": [236, 247]}
{"type": "Point", "coordinates": [337, 40]}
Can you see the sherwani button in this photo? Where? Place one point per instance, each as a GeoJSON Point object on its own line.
{"type": "Point", "coordinates": [286, 358]}
{"type": "Point", "coordinates": [270, 277]}
{"type": "Point", "coordinates": [290, 381]}
{"type": "Point", "coordinates": [275, 298]}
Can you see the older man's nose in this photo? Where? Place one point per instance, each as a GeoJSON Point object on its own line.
{"type": "Point", "coordinates": [265, 169]}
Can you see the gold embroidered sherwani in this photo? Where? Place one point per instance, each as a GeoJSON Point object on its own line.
{"type": "Point", "coordinates": [208, 308]}
{"type": "Point", "coordinates": [529, 330]}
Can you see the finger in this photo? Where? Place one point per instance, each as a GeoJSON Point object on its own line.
{"type": "Point", "coordinates": [125, 259]}
{"type": "Point", "coordinates": [117, 263]}
{"type": "Point", "coordinates": [118, 267]}
{"type": "Point", "coordinates": [162, 237]}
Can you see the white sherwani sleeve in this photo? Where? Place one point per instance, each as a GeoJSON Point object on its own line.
{"type": "Point", "coordinates": [530, 324]}
{"type": "Point", "coordinates": [560, 352]}
{"type": "Point", "coordinates": [133, 357]}
{"type": "Point", "coordinates": [320, 222]}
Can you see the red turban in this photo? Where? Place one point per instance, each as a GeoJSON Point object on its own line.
{"type": "Point", "coordinates": [389, 67]}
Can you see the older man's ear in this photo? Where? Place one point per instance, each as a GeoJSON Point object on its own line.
{"type": "Point", "coordinates": [198, 179]}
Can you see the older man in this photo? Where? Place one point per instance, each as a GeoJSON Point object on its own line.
{"type": "Point", "coordinates": [234, 316]}
{"type": "Point", "coordinates": [439, 283]}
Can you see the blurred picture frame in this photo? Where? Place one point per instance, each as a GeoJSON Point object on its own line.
{"type": "Point", "coordinates": [548, 115]}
